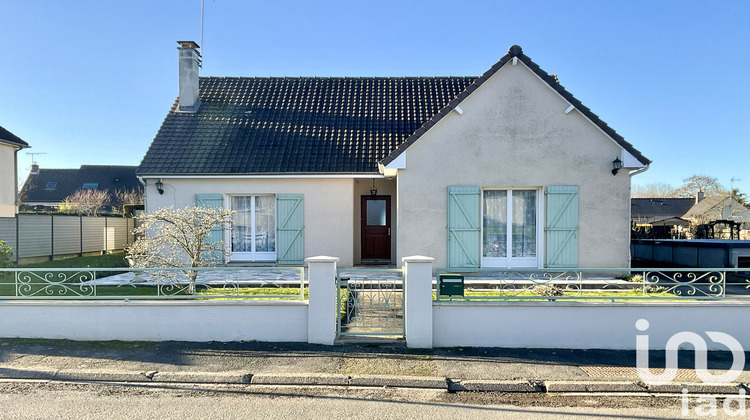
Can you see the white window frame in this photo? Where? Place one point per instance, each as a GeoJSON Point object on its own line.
{"type": "Point", "coordinates": [509, 261]}
{"type": "Point", "coordinates": [252, 256]}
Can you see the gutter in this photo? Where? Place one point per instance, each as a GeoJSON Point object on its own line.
{"type": "Point", "coordinates": [640, 171]}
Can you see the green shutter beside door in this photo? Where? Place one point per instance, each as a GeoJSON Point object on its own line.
{"type": "Point", "coordinates": [562, 226]}
{"type": "Point", "coordinates": [464, 235]}
{"type": "Point", "coordinates": [290, 239]}
{"type": "Point", "coordinates": [217, 232]}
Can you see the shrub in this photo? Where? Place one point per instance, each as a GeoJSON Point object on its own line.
{"type": "Point", "coordinates": [6, 255]}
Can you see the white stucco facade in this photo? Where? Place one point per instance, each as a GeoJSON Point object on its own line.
{"type": "Point", "coordinates": [328, 210]}
{"type": "Point", "coordinates": [513, 132]}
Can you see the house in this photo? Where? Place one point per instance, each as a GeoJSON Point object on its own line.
{"type": "Point", "coordinates": [45, 189]}
{"type": "Point", "coordinates": [712, 216]}
{"type": "Point", "coordinates": [10, 144]}
{"type": "Point", "coordinates": [689, 218]}
{"type": "Point", "coordinates": [506, 169]}
{"type": "Point", "coordinates": [659, 218]}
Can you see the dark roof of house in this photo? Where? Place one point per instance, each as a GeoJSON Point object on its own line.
{"type": "Point", "coordinates": [38, 187]}
{"type": "Point", "coordinates": [302, 125]}
{"type": "Point", "coordinates": [8, 137]}
{"type": "Point", "coordinates": [296, 125]}
{"type": "Point", "coordinates": [659, 207]}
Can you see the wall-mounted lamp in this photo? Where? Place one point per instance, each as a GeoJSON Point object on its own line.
{"type": "Point", "coordinates": [373, 190]}
{"type": "Point", "coordinates": [616, 166]}
{"type": "Point", "coordinates": [159, 187]}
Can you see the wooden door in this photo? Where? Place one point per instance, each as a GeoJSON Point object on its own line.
{"type": "Point", "coordinates": [376, 227]}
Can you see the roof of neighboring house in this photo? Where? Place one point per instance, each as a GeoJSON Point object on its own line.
{"type": "Point", "coordinates": [718, 207]}
{"type": "Point", "coordinates": [53, 185]}
{"type": "Point", "coordinates": [659, 208]}
{"type": "Point", "coordinates": [303, 125]}
{"type": "Point", "coordinates": [8, 137]}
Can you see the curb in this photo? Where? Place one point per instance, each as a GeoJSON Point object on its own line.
{"type": "Point", "coordinates": [323, 379]}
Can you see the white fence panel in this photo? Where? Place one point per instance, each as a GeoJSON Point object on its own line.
{"type": "Point", "coordinates": [94, 234]}
{"type": "Point", "coordinates": [117, 236]}
{"type": "Point", "coordinates": [8, 232]}
{"type": "Point", "coordinates": [66, 234]}
{"type": "Point", "coordinates": [34, 235]}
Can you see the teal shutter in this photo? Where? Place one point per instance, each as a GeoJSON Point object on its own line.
{"type": "Point", "coordinates": [217, 232]}
{"type": "Point", "coordinates": [290, 239]}
{"type": "Point", "coordinates": [464, 234]}
{"type": "Point", "coordinates": [562, 226]}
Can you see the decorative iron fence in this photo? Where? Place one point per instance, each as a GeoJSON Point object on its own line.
{"type": "Point", "coordinates": [152, 283]}
{"type": "Point", "coordinates": [615, 284]}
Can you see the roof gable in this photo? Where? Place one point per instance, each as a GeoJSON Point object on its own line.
{"type": "Point", "coordinates": [515, 52]}
{"type": "Point", "coordinates": [8, 137]}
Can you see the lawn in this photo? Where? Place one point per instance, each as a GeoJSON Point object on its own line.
{"type": "Point", "coordinates": [71, 283]}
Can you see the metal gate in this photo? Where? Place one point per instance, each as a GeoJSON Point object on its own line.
{"type": "Point", "coordinates": [370, 302]}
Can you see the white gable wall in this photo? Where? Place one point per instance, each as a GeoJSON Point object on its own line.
{"type": "Point", "coordinates": [514, 132]}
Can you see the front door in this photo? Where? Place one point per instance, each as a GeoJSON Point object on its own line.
{"type": "Point", "coordinates": [376, 227]}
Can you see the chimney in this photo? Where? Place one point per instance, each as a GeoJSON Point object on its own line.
{"type": "Point", "coordinates": [190, 62]}
{"type": "Point", "coordinates": [699, 196]}
{"type": "Point", "coordinates": [34, 169]}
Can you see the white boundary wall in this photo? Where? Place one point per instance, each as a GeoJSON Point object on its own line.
{"type": "Point", "coordinates": [155, 320]}
{"type": "Point", "coordinates": [583, 325]}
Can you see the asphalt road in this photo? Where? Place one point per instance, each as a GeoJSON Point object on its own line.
{"type": "Point", "coordinates": [55, 400]}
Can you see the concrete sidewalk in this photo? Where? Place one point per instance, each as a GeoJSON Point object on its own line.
{"type": "Point", "coordinates": [453, 369]}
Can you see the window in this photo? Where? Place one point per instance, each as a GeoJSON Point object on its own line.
{"type": "Point", "coordinates": [51, 186]}
{"type": "Point", "coordinates": [90, 185]}
{"type": "Point", "coordinates": [254, 228]}
{"type": "Point", "coordinates": [509, 228]}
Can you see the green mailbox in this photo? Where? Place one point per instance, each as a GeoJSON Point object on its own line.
{"type": "Point", "coordinates": [450, 284]}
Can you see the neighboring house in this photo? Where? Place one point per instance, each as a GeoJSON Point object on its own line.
{"type": "Point", "coordinates": [659, 218]}
{"type": "Point", "coordinates": [719, 216]}
{"type": "Point", "coordinates": [10, 144]}
{"type": "Point", "coordinates": [506, 169]}
{"type": "Point", "coordinates": [689, 218]}
{"type": "Point", "coordinates": [46, 189]}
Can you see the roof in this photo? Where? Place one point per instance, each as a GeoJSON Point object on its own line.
{"type": "Point", "coordinates": [551, 80]}
{"type": "Point", "coordinates": [38, 187]}
{"type": "Point", "coordinates": [309, 125]}
{"type": "Point", "coordinates": [659, 208]}
{"type": "Point", "coordinates": [267, 125]}
{"type": "Point", "coordinates": [8, 137]}
{"type": "Point", "coordinates": [719, 207]}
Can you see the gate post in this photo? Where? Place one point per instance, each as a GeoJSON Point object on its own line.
{"type": "Point", "coordinates": [321, 310]}
{"type": "Point", "coordinates": [418, 301]}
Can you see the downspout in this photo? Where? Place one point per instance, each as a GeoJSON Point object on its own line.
{"type": "Point", "coordinates": [630, 207]}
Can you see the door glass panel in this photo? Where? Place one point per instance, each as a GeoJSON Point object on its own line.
{"type": "Point", "coordinates": [241, 224]}
{"type": "Point", "coordinates": [524, 223]}
{"type": "Point", "coordinates": [495, 223]}
{"type": "Point", "coordinates": [265, 227]}
{"type": "Point", "coordinates": [376, 213]}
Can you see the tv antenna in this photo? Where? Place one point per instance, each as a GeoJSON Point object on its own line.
{"type": "Point", "coordinates": [731, 182]}
{"type": "Point", "coordinates": [33, 161]}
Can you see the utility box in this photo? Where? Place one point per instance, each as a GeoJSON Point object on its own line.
{"type": "Point", "coordinates": [450, 284]}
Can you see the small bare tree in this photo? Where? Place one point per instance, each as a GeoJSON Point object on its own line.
{"type": "Point", "coordinates": [87, 202]}
{"type": "Point", "coordinates": [131, 196]}
{"type": "Point", "coordinates": [179, 238]}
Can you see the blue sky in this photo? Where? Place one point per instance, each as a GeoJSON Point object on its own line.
{"type": "Point", "coordinates": [89, 82]}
